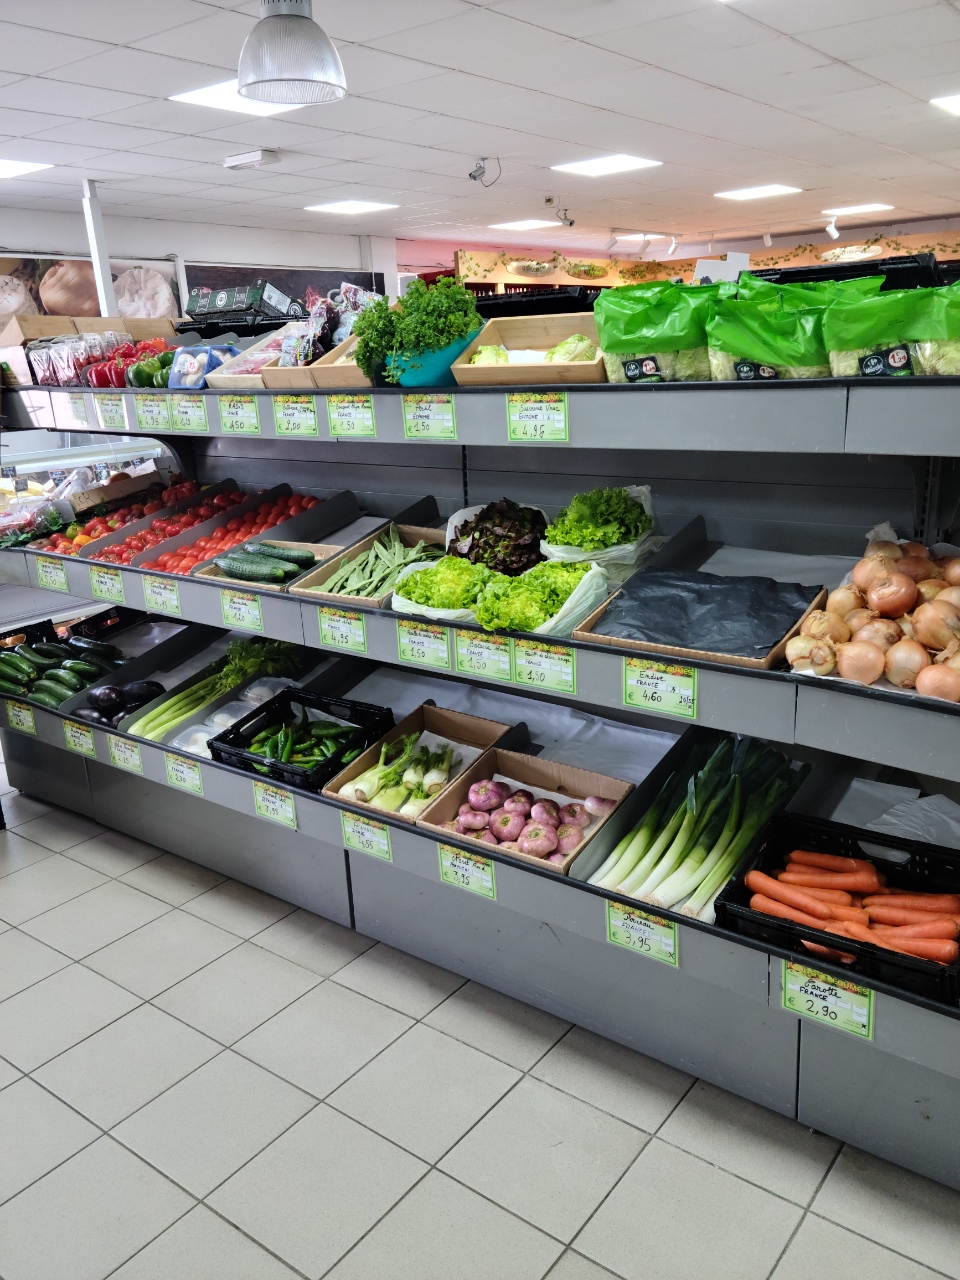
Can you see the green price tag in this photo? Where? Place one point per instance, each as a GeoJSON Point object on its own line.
{"type": "Point", "coordinates": [125, 755]}
{"type": "Point", "coordinates": [110, 412]}
{"type": "Point", "coordinates": [480, 655]}
{"type": "Point", "coordinates": [21, 718]}
{"type": "Point", "coordinates": [274, 805]}
{"type": "Point", "coordinates": [239, 416]}
{"type": "Point", "coordinates": [351, 416]}
{"type": "Point", "coordinates": [77, 408]}
{"type": "Point", "coordinates": [153, 413]}
{"type": "Point", "coordinates": [660, 686]}
{"type": "Point", "coordinates": [295, 416]}
{"type": "Point", "coordinates": [429, 417]}
{"type": "Point", "coordinates": [161, 595]}
{"type": "Point", "coordinates": [832, 1001]}
{"type": "Point", "coordinates": [423, 644]}
{"type": "Point", "coordinates": [184, 774]}
{"type": "Point", "coordinates": [648, 935]}
{"type": "Point", "coordinates": [241, 609]}
{"type": "Point", "coordinates": [106, 584]}
{"type": "Point", "coordinates": [542, 665]}
{"type": "Point", "coordinates": [343, 629]}
{"type": "Point", "coordinates": [51, 574]}
{"type": "Point", "coordinates": [189, 413]}
{"type": "Point", "coordinates": [537, 417]}
{"type": "Point", "coordinates": [366, 836]}
{"type": "Point", "coordinates": [467, 871]}
{"type": "Point", "coordinates": [79, 738]}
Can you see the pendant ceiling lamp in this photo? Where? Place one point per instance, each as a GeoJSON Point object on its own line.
{"type": "Point", "coordinates": [287, 58]}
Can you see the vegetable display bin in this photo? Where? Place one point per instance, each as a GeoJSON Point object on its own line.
{"type": "Point", "coordinates": [232, 745]}
{"type": "Point", "coordinates": [928, 869]}
{"type": "Point", "coordinates": [326, 372]}
{"type": "Point", "coordinates": [530, 333]}
{"type": "Point", "coordinates": [432, 368]}
{"type": "Point", "coordinates": [310, 585]}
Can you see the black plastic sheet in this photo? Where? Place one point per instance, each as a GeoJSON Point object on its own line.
{"type": "Point", "coordinates": [741, 617]}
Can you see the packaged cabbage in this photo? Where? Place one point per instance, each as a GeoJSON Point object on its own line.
{"type": "Point", "coordinates": [895, 335]}
{"type": "Point", "coordinates": [654, 332]}
{"type": "Point", "coordinates": [489, 355]}
{"type": "Point", "coordinates": [658, 366]}
{"type": "Point", "coordinates": [751, 343]}
{"type": "Point", "coordinates": [576, 347]}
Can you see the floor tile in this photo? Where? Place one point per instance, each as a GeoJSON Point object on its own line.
{"type": "Point", "coordinates": [38, 1133]}
{"type": "Point", "coordinates": [43, 886]}
{"type": "Point", "coordinates": [674, 1217]}
{"type": "Point", "coordinates": [208, 1125]}
{"type": "Point", "coordinates": [313, 943]}
{"type": "Point", "coordinates": [443, 1230]}
{"type": "Point", "coordinates": [51, 1016]}
{"type": "Point", "coordinates": [59, 829]}
{"type": "Point", "coordinates": [743, 1138]}
{"type": "Point", "coordinates": [830, 1253]}
{"type": "Point", "coordinates": [425, 1091]}
{"type": "Point", "coordinates": [545, 1156]}
{"type": "Point", "coordinates": [514, 1032]}
{"type": "Point", "coordinates": [8, 1073]}
{"type": "Point", "coordinates": [896, 1208]}
{"type": "Point", "coordinates": [86, 1217]}
{"type": "Point", "coordinates": [614, 1078]}
{"type": "Point", "coordinates": [95, 919]}
{"type": "Point", "coordinates": [201, 1246]}
{"type": "Point", "coordinates": [413, 986]}
{"type": "Point", "coordinates": [323, 1038]}
{"type": "Point", "coordinates": [115, 1072]}
{"type": "Point", "coordinates": [17, 852]}
{"type": "Point", "coordinates": [24, 961]}
{"type": "Point", "coordinates": [315, 1191]}
{"type": "Point", "coordinates": [173, 879]}
{"type": "Point", "coordinates": [238, 908]}
{"type": "Point", "coordinates": [162, 953]}
{"type": "Point", "coordinates": [19, 808]}
{"type": "Point", "coordinates": [114, 853]}
{"type": "Point", "coordinates": [234, 994]}
{"type": "Point", "coordinates": [572, 1266]}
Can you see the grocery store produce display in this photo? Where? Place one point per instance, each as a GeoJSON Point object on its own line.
{"type": "Point", "coordinates": [49, 673]}
{"type": "Point", "coordinates": [373, 572]}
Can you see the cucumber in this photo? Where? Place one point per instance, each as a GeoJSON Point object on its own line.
{"type": "Point", "coordinates": [69, 678]}
{"type": "Point", "coordinates": [85, 670]}
{"type": "Point", "coordinates": [36, 660]}
{"type": "Point", "coordinates": [49, 700]}
{"type": "Point", "coordinates": [289, 568]}
{"type": "Point", "coordinates": [82, 647]}
{"type": "Point", "coordinates": [249, 569]}
{"type": "Point", "coordinates": [10, 690]}
{"type": "Point", "coordinates": [52, 689]}
{"type": "Point", "coordinates": [47, 649]}
{"type": "Point", "coordinates": [14, 674]}
{"type": "Point", "coordinates": [15, 662]}
{"type": "Point", "coordinates": [303, 559]}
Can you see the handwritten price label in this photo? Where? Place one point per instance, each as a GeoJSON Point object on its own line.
{"type": "Point", "coordinates": [540, 665]}
{"type": "Point", "coordinates": [21, 718]}
{"type": "Point", "coordinates": [77, 408]}
{"type": "Point", "coordinates": [125, 755]}
{"type": "Point", "coordinates": [295, 416]}
{"type": "Point", "coordinates": [106, 584]}
{"type": "Point", "coordinates": [79, 738]}
{"type": "Point", "coordinates": [274, 805]}
{"type": "Point", "coordinates": [351, 417]}
{"type": "Point", "coordinates": [184, 774]}
{"type": "Point", "coordinates": [423, 644]}
{"type": "Point", "coordinates": [429, 417]}
{"type": "Point", "coordinates": [52, 574]}
{"type": "Point", "coordinates": [366, 836]}
{"type": "Point", "coordinates": [488, 656]}
{"type": "Point", "coordinates": [537, 417]}
{"type": "Point", "coordinates": [846, 1006]}
{"type": "Point", "coordinates": [110, 413]}
{"type": "Point", "coordinates": [239, 416]}
{"type": "Point", "coordinates": [467, 871]}
{"type": "Point", "coordinates": [343, 629]}
{"type": "Point", "coordinates": [161, 595]}
{"type": "Point", "coordinates": [639, 931]}
{"type": "Point", "coordinates": [241, 609]}
{"type": "Point", "coordinates": [189, 413]}
{"type": "Point", "coordinates": [153, 413]}
{"type": "Point", "coordinates": [660, 686]}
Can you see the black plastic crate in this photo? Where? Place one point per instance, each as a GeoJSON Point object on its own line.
{"type": "Point", "coordinates": [930, 869]}
{"type": "Point", "coordinates": [231, 746]}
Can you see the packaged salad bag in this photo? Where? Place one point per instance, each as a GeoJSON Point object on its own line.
{"type": "Point", "coordinates": [654, 332]}
{"type": "Point", "coordinates": [806, 293]}
{"type": "Point", "coordinates": [748, 342]}
{"type": "Point", "coordinates": [895, 335]}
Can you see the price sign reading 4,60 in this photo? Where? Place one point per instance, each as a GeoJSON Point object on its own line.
{"type": "Point", "coordinates": [480, 655]}
{"type": "Point", "coordinates": [642, 932]}
{"type": "Point", "coordinates": [423, 643]}
{"type": "Point", "coordinates": [537, 417]}
{"type": "Point", "coordinates": [841, 1004]}
{"type": "Point", "coordinates": [660, 686]}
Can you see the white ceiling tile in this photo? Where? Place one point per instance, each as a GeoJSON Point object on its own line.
{"type": "Point", "coordinates": [77, 100]}
{"type": "Point", "coordinates": [97, 133]}
{"type": "Point", "coordinates": [118, 20]}
{"type": "Point", "coordinates": [346, 146]}
{"type": "Point", "coordinates": [797, 89]}
{"type": "Point", "coordinates": [367, 20]}
{"type": "Point", "coordinates": [355, 115]}
{"type": "Point", "coordinates": [54, 153]}
{"type": "Point", "coordinates": [175, 117]}
{"type": "Point", "coordinates": [28, 51]}
{"type": "Point", "coordinates": [816, 15]}
{"type": "Point", "coordinates": [709, 29]}
{"type": "Point", "coordinates": [473, 40]}
{"type": "Point", "coordinates": [925, 72]}
{"type": "Point", "coordinates": [215, 39]}
{"type": "Point", "coordinates": [568, 62]}
{"type": "Point", "coordinates": [923, 28]}
{"type": "Point", "coordinates": [574, 18]}
{"type": "Point", "coordinates": [22, 123]}
{"type": "Point", "coordinates": [135, 71]}
{"type": "Point", "coordinates": [135, 162]}
{"type": "Point", "coordinates": [190, 150]}
{"type": "Point", "coordinates": [774, 58]}
{"type": "Point", "coordinates": [369, 70]}
{"type": "Point", "coordinates": [258, 131]}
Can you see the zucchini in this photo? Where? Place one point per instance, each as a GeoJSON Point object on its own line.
{"type": "Point", "coordinates": [85, 670]}
{"type": "Point", "coordinates": [49, 700]}
{"type": "Point", "coordinates": [69, 678]}
{"type": "Point", "coordinates": [49, 685]}
{"type": "Point", "coordinates": [15, 662]}
{"type": "Point", "coordinates": [48, 649]}
{"type": "Point", "coordinates": [82, 647]}
{"type": "Point", "coordinates": [302, 559]}
{"type": "Point", "coordinates": [11, 690]}
{"type": "Point", "coordinates": [36, 660]}
{"type": "Point", "coordinates": [14, 674]}
{"type": "Point", "coordinates": [249, 569]}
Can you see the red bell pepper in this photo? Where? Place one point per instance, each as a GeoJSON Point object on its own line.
{"type": "Point", "coordinates": [116, 372]}
{"type": "Point", "coordinates": [98, 375]}
{"type": "Point", "coordinates": [126, 351]}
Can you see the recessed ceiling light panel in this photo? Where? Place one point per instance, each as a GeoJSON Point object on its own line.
{"type": "Point", "coordinates": [758, 193]}
{"type": "Point", "coordinates": [857, 208]}
{"type": "Point", "coordinates": [349, 206]}
{"type": "Point", "coordinates": [951, 104]}
{"type": "Point", "coordinates": [606, 164]}
{"type": "Point", "coordinates": [526, 224]}
{"type": "Point", "coordinates": [17, 168]}
{"type": "Point", "coordinates": [224, 97]}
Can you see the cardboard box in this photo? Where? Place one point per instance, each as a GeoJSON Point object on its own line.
{"type": "Point", "coordinates": [585, 631]}
{"type": "Point", "coordinates": [294, 377]}
{"type": "Point", "coordinates": [455, 727]}
{"type": "Point", "coordinates": [17, 332]}
{"type": "Point", "coordinates": [530, 333]}
{"type": "Point", "coordinates": [320, 550]}
{"type": "Point", "coordinates": [109, 492]}
{"type": "Point", "coordinates": [311, 586]}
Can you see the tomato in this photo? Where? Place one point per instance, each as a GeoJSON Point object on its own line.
{"type": "Point", "coordinates": [150, 539]}
{"type": "Point", "coordinates": [189, 521]}
{"type": "Point", "coordinates": [234, 524]}
{"type": "Point", "coordinates": [165, 559]}
{"type": "Point", "coordinates": [151, 564]}
{"type": "Point", "coordinates": [293, 511]}
{"type": "Point", "coordinates": [268, 524]}
{"type": "Point", "coordinates": [218, 535]}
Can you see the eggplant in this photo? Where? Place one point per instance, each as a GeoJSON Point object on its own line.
{"type": "Point", "coordinates": [121, 715]}
{"type": "Point", "coordinates": [139, 692]}
{"type": "Point", "coordinates": [106, 698]}
{"type": "Point", "coordinates": [91, 717]}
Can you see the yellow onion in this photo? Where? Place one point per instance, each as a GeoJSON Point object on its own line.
{"type": "Point", "coordinates": [903, 661]}
{"type": "Point", "coordinates": [918, 568]}
{"type": "Point", "coordinates": [892, 550]}
{"type": "Point", "coordinates": [936, 623]}
{"type": "Point", "coordinates": [951, 595]}
{"type": "Point", "coordinates": [939, 682]}
{"type": "Point", "coordinates": [805, 653]}
{"type": "Point", "coordinates": [843, 600]}
{"type": "Point", "coordinates": [949, 566]}
{"type": "Point", "coordinates": [870, 567]}
{"type": "Point", "coordinates": [905, 623]}
{"type": "Point", "coordinates": [883, 632]}
{"type": "Point", "coordinates": [825, 626]}
{"type": "Point", "coordinates": [859, 618]}
{"type": "Point", "coordinates": [915, 549]}
{"type": "Point", "coordinates": [860, 662]}
{"type": "Point", "coordinates": [892, 595]}
{"type": "Point", "coordinates": [929, 588]}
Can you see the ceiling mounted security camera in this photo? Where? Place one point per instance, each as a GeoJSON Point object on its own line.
{"type": "Point", "coordinates": [479, 171]}
{"type": "Point", "coordinates": [565, 219]}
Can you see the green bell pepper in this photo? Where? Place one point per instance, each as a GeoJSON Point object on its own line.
{"type": "Point", "coordinates": [142, 373]}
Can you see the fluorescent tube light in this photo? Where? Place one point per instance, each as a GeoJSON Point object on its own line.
{"type": "Point", "coordinates": [606, 164]}
{"type": "Point", "coordinates": [641, 235]}
{"type": "Point", "coordinates": [951, 104]}
{"type": "Point", "coordinates": [349, 206]}
{"type": "Point", "coordinates": [224, 97]}
{"type": "Point", "coordinates": [758, 193]}
{"type": "Point", "coordinates": [856, 208]}
{"type": "Point", "coordinates": [527, 224]}
{"type": "Point", "coordinates": [17, 168]}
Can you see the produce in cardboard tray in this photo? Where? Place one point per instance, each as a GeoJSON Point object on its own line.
{"type": "Point", "coordinates": [504, 536]}
{"type": "Point", "coordinates": [516, 821]}
{"type": "Point", "coordinates": [405, 778]}
{"type": "Point", "coordinates": [374, 572]}
{"type": "Point", "coordinates": [599, 519]}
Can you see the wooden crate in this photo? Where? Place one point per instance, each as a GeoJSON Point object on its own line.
{"type": "Point", "coordinates": [531, 333]}
{"type": "Point", "coordinates": [327, 373]}
{"type": "Point", "coordinates": [310, 587]}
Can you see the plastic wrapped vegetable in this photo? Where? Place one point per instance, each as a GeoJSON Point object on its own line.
{"type": "Point", "coordinates": [489, 355]}
{"type": "Point", "coordinates": [807, 293]}
{"type": "Point", "coordinates": [576, 347]}
{"type": "Point", "coordinates": [750, 343]}
{"type": "Point", "coordinates": [654, 332]}
{"type": "Point", "coordinates": [895, 335]}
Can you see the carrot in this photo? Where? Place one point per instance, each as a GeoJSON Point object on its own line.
{"type": "Point", "coordinates": [854, 881]}
{"type": "Point", "coordinates": [900, 915]}
{"type": "Point", "coordinates": [855, 914]}
{"type": "Point", "coordinates": [757, 882]}
{"type": "Point", "coordinates": [947, 904]}
{"type": "Point", "coordinates": [828, 953]}
{"type": "Point", "coordinates": [768, 907]}
{"type": "Point", "coordinates": [834, 897]}
{"type": "Point", "coordinates": [936, 949]}
{"type": "Point", "coordinates": [829, 861]}
{"type": "Point", "coordinates": [945, 928]}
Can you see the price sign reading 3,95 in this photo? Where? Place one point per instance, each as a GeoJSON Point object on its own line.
{"type": "Point", "coordinates": [841, 1004]}
{"type": "Point", "coordinates": [537, 417]}
{"type": "Point", "coordinates": [660, 686]}
{"type": "Point", "coordinates": [639, 931]}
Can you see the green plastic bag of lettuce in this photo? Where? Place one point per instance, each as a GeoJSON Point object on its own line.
{"type": "Point", "coordinates": [654, 332]}
{"type": "Point", "coordinates": [748, 342]}
{"type": "Point", "coordinates": [806, 293]}
{"type": "Point", "coordinates": [895, 335]}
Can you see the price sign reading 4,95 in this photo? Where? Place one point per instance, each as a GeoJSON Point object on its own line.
{"type": "Point", "coordinates": [153, 413]}
{"type": "Point", "coordinates": [537, 417]}
{"type": "Point", "coordinates": [841, 1004]}
{"type": "Point", "coordinates": [161, 595]}
{"type": "Point", "coordinates": [110, 412]}
{"type": "Point", "coordinates": [480, 655]}
{"type": "Point", "coordinates": [423, 643]}
{"type": "Point", "coordinates": [367, 836]}
{"type": "Point", "coordinates": [541, 665]}
{"type": "Point", "coordinates": [467, 871]}
{"type": "Point", "coordinates": [106, 584]}
{"type": "Point", "coordinates": [649, 935]}
{"type": "Point", "coordinates": [660, 686]}
{"type": "Point", "coordinates": [429, 416]}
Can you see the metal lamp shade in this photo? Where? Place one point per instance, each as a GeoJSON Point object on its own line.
{"type": "Point", "coordinates": [287, 58]}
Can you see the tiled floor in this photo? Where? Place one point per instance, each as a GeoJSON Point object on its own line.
{"type": "Point", "coordinates": [199, 1082]}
